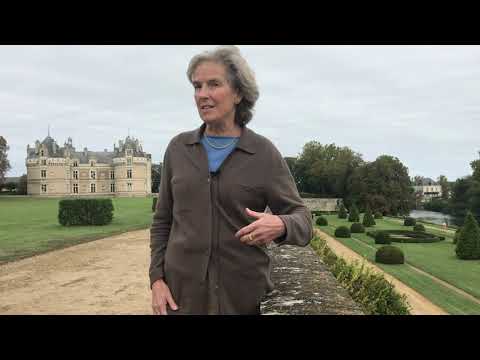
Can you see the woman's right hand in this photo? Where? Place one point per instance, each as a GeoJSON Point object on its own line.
{"type": "Point", "coordinates": [161, 295]}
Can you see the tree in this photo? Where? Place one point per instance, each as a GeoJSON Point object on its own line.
{"type": "Point", "coordinates": [4, 163]}
{"type": "Point", "coordinates": [475, 165]}
{"type": "Point", "coordinates": [353, 216]}
{"type": "Point", "coordinates": [156, 177]}
{"type": "Point", "coordinates": [291, 162]}
{"type": "Point", "coordinates": [442, 180]}
{"type": "Point", "coordinates": [22, 185]}
{"type": "Point", "coordinates": [382, 183]}
{"type": "Point", "coordinates": [459, 201]}
{"type": "Point", "coordinates": [325, 169]}
{"type": "Point", "coordinates": [468, 241]}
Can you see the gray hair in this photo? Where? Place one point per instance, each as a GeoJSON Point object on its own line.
{"type": "Point", "coordinates": [239, 75]}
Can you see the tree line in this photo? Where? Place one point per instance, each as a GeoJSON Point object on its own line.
{"type": "Point", "coordinates": [331, 171]}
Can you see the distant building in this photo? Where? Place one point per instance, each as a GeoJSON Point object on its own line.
{"type": "Point", "coordinates": [63, 171]}
{"type": "Point", "coordinates": [427, 189]}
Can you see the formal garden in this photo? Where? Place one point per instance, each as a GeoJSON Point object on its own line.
{"type": "Point", "coordinates": [416, 254]}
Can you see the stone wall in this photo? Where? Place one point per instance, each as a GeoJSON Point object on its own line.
{"type": "Point", "coordinates": [305, 286]}
{"type": "Point", "coordinates": [321, 204]}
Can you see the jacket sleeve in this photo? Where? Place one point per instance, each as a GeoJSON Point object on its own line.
{"type": "Point", "coordinates": [162, 221]}
{"type": "Point", "coordinates": [284, 200]}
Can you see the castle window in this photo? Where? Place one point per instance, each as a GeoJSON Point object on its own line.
{"type": "Point", "coordinates": [44, 188]}
{"type": "Point", "coordinates": [44, 162]}
{"type": "Point", "coordinates": [129, 174]}
{"type": "Point", "coordinates": [112, 187]}
{"type": "Point", "coordinates": [112, 174]}
{"type": "Point", "coordinates": [92, 188]}
{"type": "Point", "coordinates": [75, 174]}
{"type": "Point", "coordinates": [129, 186]}
{"type": "Point", "coordinates": [92, 174]}
{"type": "Point", "coordinates": [75, 163]}
{"type": "Point", "coordinates": [75, 188]}
{"type": "Point", "coordinates": [92, 163]}
{"type": "Point", "coordinates": [129, 161]}
{"type": "Point", "coordinates": [41, 152]}
{"type": "Point", "coordinates": [44, 174]}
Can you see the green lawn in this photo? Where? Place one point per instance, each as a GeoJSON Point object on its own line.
{"type": "Point", "coordinates": [437, 259]}
{"type": "Point", "coordinates": [29, 226]}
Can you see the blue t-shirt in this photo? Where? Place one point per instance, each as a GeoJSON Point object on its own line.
{"type": "Point", "coordinates": [217, 156]}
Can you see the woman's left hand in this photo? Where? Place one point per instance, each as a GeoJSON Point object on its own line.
{"type": "Point", "coordinates": [264, 230]}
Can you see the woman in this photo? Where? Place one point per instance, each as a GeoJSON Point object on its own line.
{"type": "Point", "coordinates": [209, 230]}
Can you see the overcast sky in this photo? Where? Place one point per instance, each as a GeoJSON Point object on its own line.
{"type": "Point", "coordinates": [418, 103]}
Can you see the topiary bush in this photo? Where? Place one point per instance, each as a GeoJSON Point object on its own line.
{"type": "Point", "coordinates": [85, 212]}
{"type": "Point", "coordinates": [382, 237]}
{"type": "Point", "coordinates": [357, 228]}
{"type": "Point", "coordinates": [368, 218]}
{"type": "Point", "coordinates": [154, 203]}
{"type": "Point", "coordinates": [321, 221]}
{"type": "Point", "coordinates": [408, 236]}
{"type": "Point", "coordinates": [468, 241]}
{"type": "Point", "coordinates": [354, 215]}
{"type": "Point", "coordinates": [389, 254]}
{"type": "Point", "coordinates": [342, 232]}
{"type": "Point", "coordinates": [409, 221]}
{"type": "Point", "coordinates": [378, 215]}
{"type": "Point", "coordinates": [419, 227]}
{"type": "Point", "coordinates": [342, 212]}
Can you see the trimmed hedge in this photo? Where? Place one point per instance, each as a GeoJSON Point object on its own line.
{"type": "Point", "coordinates": [419, 227]}
{"type": "Point", "coordinates": [409, 236]}
{"type": "Point", "coordinates": [457, 233]}
{"type": "Point", "coordinates": [342, 232]}
{"type": "Point", "coordinates": [382, 237]}
{"type": "Point", "coordinates": [368, 218]}
{"type": "Point", "coordinates": [321, 221]}
{"type": "Point", "coordinates": [378, 215]}
{"type": "Point", "coordinates": [154, 203]}
{"type": "Point", "coordinates": [342, 212]}
{"type": "Point", "coordinates": [409, 221]}
{"type": "Point", "coordinates": [85, 212]}
{"type": "Point", "coordinates": [468, 240]}
{"type": "Point", "coordinates": [357, 228]}
{"type": "Point", "coordinates": [389, 254]}
{"type": "Point", "coordinates": [371, 290]}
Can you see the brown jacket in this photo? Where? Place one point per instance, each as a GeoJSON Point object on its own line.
{"type": "Point", "coordinates": [193, 247]}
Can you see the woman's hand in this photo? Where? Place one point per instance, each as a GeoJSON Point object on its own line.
{"type": "Point", "coordinates": [160, 297]}
{"type": "Point", "coordinates": [264, 230]}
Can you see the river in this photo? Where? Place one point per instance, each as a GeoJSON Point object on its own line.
{"type": "Point", "coordinates": [432, 216]}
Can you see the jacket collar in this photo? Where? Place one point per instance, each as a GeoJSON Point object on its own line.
{"type": "Point", "coordinates": [246, 142]}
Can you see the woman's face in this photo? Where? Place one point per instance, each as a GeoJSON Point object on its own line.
{"type": "Point", "coordinates": [214, 96]}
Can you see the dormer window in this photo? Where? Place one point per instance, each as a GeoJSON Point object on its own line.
{"type": "Point", "coordinates": [92, 175]}
{"type": "Point", "coordinates": [92, 163]}
{"type": "Point", "coordinates": [75, 163]}
{"type": "Point", "coordinates": [44, 162]}
{"type": "Point", "coordinates": [41, 153]}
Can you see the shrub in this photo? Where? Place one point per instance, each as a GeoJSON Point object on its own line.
{"type": "Point", "coordinates": [342, 212]}
{"type": "Point", "coordinates": [409, 221]}
{"type": "Point", "coordinates": [342, 232]}
{"type": "Point", "coordinates": [468, 242]}
{"type": "Point", "coordinates": [357, 228]}
{"type": "Point", "coordinates": [321, 221]}
{"type": "Point", "coordinates": [371, 290]}
{"type": "Point", "coordinates": [382, 237]}
{"type": "Point", "coordinates": [368, 218]}
{"type": "Point", "coordinates": [389, 254]}
{"type": "Point", "coordinates": [354, 215]}
{"type": "Point", "coordinates": [419, 227]}
{"type": "Point", "coordinates": [378, 215]}
{"type": "Point", "coordinates": [85, 212]}
{"type": "Point", "coordinates": [154, 203]}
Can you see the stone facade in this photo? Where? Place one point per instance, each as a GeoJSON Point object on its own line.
{"type": "Point", "coordinates": [427, 189]}
{"type": "Point", "coordinates": [54, 171]}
